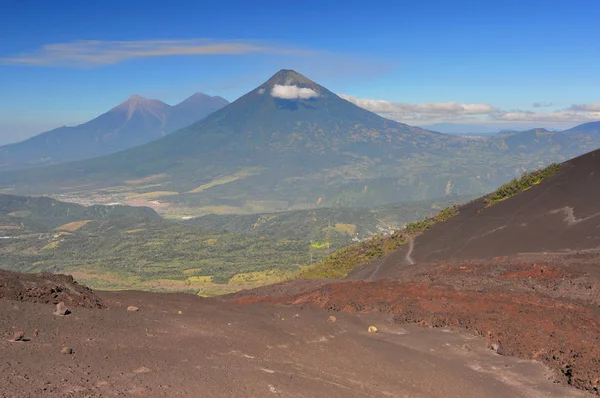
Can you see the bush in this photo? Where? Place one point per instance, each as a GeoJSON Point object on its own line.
{"type": "Point", "coordinates": [526, 181]}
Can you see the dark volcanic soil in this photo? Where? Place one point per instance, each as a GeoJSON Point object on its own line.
{"type": "Point", "coordinates": [180, 345]}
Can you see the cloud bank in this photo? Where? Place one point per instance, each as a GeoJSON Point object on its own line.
{"type": "Point", "coordinates": [427, 111]}
{"type": "Point", "coordinates": [457, 112]}
{"type": "Point", "coordinates": [293, 92]}
{"type": "Point", "coordinates": [98, 52]}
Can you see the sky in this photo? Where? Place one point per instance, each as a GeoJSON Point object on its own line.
{"type": "Point", "coordinates": [484, 64]}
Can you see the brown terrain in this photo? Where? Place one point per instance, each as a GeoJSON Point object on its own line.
{"type": "Point", "coordinates": [497, 301]}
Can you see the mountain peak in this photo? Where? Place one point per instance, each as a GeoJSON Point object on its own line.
{"type": "Point", "coordinates": [137, 101]}
{"type": "Point", "coordinates": [289, 77]}
{"type": "Point", "coordinates": [201, 99]}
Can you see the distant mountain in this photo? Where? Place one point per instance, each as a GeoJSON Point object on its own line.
{"type": "Point", "coordinates": [592, 128]}
{"type": "Point", "coordinates": [292, 144]}
{"type": "Point", "coordinates": [564, 144]}
{"type": "Point", "coordinates": [134, 122]}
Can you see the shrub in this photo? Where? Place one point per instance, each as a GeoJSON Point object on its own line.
{"type": "Point", "coordinates": [526, 181]}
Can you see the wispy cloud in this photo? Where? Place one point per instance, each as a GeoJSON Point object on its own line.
{"type": "Point", "coordinates": [98, 52]}
{"type": "Point", "coordinates": [542, 104]}
{"type": "Point", "coordinates": [586, 108]}
{"type": "Point", "coordinates": [457, 112]}
{"type": "Point", "coordinates": [421, 112]}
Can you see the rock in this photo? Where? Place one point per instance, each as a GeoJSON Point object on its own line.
{"type": "Point", "coordinates": [297, 316]}
{"type": "Point", "coordinates": [372, 329]}
{"type": "Point", "coordinates": [66, 350]}
{"type": "Point", "coordinates": [36, 333]}
{"type": "Point", "coordinates": [61, 309]}
{"type": "Point", "coordinates": [180, 312]}
{"type": "Point", "coordinates": [132, 308]}
{"type": "Point", "coordinates": [18, 336]}
{"type": "Point", "coordinates": [494, 347]}
{"type": "Point", "coordinates": [331, 319]}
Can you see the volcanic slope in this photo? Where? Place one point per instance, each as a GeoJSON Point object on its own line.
{"type": "Point", "coordinates": [290, 143]}
{"type": "Point", "coordinates": [131, 123]}
{"type": "Point", "coordinates": [521, 272]}
{"type": "Point", "coordinates": [561, 214]}
{"type": "Point", "coordinates": [180, 345]}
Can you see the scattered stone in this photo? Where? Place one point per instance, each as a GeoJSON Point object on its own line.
{"type": "Point", "coordinates": [36, 333]}
{"type": "Point", "coordinates": [297, 316]}
{"type": "Point", "coordinates": [494, 347]}
{"type": "Point", "coordinates": [66, 350]}
{"type": "Point", "coordinates": [132, 308]}
{"type": "Point", "coordinates": [372, 329]}
{"type": "Point", "coordinates": [19, 336]}
{"type": "Point", "coordinates": [61, 309]}
{"type": "Point", "coordinates": [179, 312]}
{"type": "Point", "coordinates": [331, 319]}
{"type": "Point", "coordinates": [142, 370]}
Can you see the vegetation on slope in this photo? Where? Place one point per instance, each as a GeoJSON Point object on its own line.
{"type": "Point", "coordinates": [340, 263]}
{"type": "Point", "coordinates": [419, 227]}
{"type": "Point", "coordinates": [518, 185]}
{"type": "Point", "coordinates": [113, 247]}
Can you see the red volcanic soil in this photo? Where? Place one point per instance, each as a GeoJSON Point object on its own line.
{"type": "Point", "coordinates": [46, 288]}
{"type": "Point", "coordinates": [537, 307]}
{"type": "Point", "coordinates": [182, 345]}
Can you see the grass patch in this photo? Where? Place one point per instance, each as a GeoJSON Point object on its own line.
{"type": "Point", "coordinates": [51, 245]}
{"type": "Point", "coordinates": [145, 180]}
{"type": "Point", "coordinates": [340, 263]}
{"type": "Point", "coordinates": [203, 279]}
{"type": "Point", "coordinates": [260, 277]}
{"type": "Point", "coordinates": [20, 214]}
{"type": "Point", "coordinates": [227, 179]}
{"type": "Point", "coordinates": [526, 181]}
{"type": "Point", "coordinates": [418, 227]}
{"type": "Point", "coordinates": [73, 226]}
{"type": "Point", "coordinates": [151, 195]}
{"type": "Point", "coordinates": [349, 229]}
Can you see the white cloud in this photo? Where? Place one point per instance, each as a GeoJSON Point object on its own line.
{"type": "Point", "coordinates": [261, 90]}
{"type": "Point", "coordinates": [558, 116]}
{"type": "Point", "coordinates": [293, 92]}
{"type": "Point", "coordinates": [426, 111]}
{"type": "Point", "coordinates": [98, 52]}
{"type": "Point", "coordinates": [457, 112]}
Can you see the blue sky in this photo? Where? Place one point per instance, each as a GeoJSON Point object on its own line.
{"type": "Point", "coordinates": [505, 63]}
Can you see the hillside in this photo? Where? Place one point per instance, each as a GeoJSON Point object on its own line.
{"type": "Point", "coordinates": [292, 144]}
{"type": "Point", "coordinates": [288, 144]}
{"type": "Point", "coordinates": [131, 123]}
{"type": "Point", "coordinates": [565, 202]}
{"type": "Point", "coordinates": [121, 246]}
{"type": "Point", "coordinates": [509, 267]}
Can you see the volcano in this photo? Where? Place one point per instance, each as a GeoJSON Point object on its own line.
{"type": "Point", "coordinates": [291, 143]}
{"type": "Point", "coordinates": [132, 123]}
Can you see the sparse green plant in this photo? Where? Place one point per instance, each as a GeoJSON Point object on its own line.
{"type": "Point", "coordinates": [526, 181]}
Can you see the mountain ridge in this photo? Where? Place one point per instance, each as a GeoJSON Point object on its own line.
{"type": "Point", "coordinates": [131, 123]}
{"type": "Point", "coordinates": [291, 143]}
